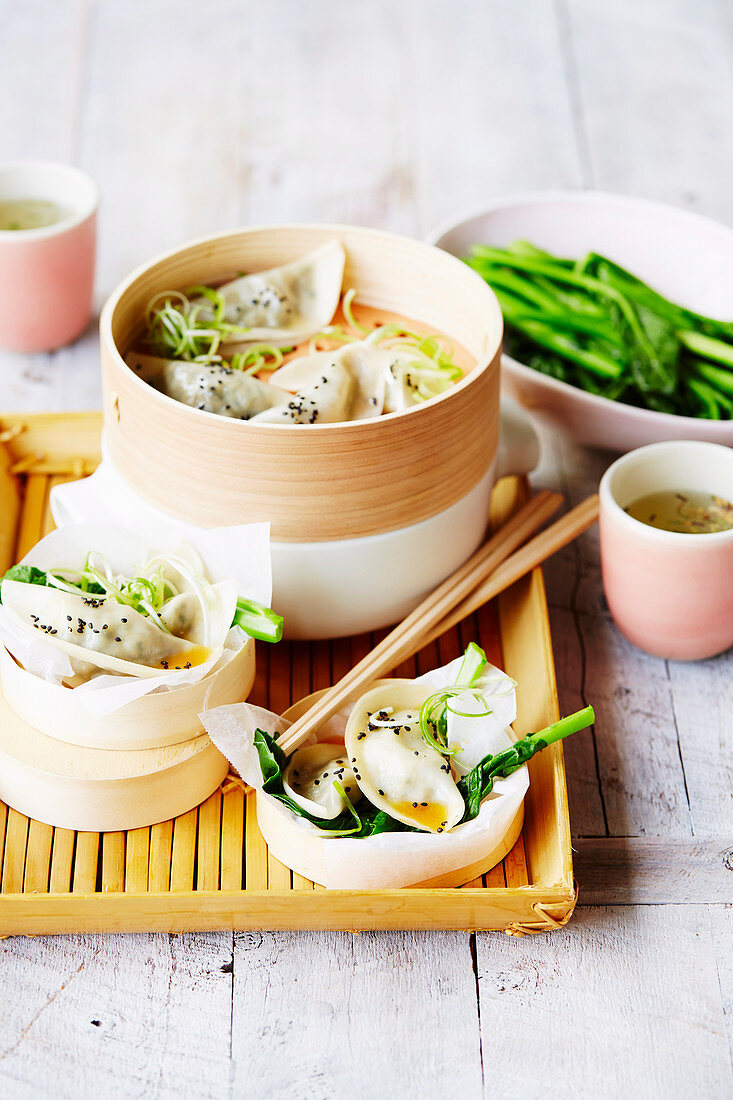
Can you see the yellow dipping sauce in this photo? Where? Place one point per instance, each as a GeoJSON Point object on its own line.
{"type": "Point", "coordinates": [685, 513]}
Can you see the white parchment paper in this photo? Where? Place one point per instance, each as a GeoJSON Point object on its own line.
{"type": "Point", "coordinates": [388, 860]}
{"type": "Point", "coordinates": [242, 559]}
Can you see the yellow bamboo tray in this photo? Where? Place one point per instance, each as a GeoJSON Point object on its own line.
{"type": "Point", "coordinates": [210, 868]}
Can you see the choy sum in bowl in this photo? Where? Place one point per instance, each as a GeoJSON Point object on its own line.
{"type": "Point", "coordinates": [618, 313]}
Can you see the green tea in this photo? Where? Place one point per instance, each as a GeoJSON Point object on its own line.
{"type": "Point", "coordinates": [686, 513]}
{"type": "Point", "coordinates": [30, 213]}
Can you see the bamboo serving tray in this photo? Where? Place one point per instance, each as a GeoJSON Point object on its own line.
{"type": "Point", "coordinates": [210, 868]}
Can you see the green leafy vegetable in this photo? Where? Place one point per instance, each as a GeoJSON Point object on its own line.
{"type": "Point", "coordinates": [258, 621]}
{"type": "Point", "coordinates": [591, 323]}
{"type": "Point", "coordinates": [367, 821]}
{"type": "Point", "coordinates": [479, 782]}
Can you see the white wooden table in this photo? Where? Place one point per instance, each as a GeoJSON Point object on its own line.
{"type": "Point", "coordinates": [195, 117]}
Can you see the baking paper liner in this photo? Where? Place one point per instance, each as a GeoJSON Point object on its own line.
{"type": "Point", "coordinates": [388, 860]}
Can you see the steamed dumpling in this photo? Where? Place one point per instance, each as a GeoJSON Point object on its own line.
{"type": "Point", "coordinates": [309, 777]}
{"type": "Point", "coordinates": [402, 374]}
{"type": "Point", "coordinates": [397, 771]}
{"type": "Point", "coordinates": [384, 379]}
{"type": "Point", "coordinates": [366, 367]}
{"type": "Point", "coordinates": [286, 304]}
{"type": "Point", "coordinates": [327, 401]}
{"type": "Point", "coordinates": [214, 388]}
{"type": "Point", "coordinates": [112, 631]}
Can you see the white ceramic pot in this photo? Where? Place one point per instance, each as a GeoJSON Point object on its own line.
{"type": "Point", "coordinates": [344, 586]}
{"type": "Point", "coordinates": [348, 586]}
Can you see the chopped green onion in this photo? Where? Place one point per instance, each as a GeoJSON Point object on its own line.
{"type": "Point", "coordinates": [258, 621]}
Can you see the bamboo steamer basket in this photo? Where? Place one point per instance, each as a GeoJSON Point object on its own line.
{"type": "Point", "coordinates": [153, 721]}
{"type": "Point", "coordinates": [313, 483]}
{"type": "Point", "coordinates": [102, 790]}
{"type": "Point", "coordinates": [308, 854]}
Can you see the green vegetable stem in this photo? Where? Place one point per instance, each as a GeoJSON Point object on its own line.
{"type": "Point", "coordinates": [591, 323]}
{"type": "Point", "coordinates": [480, 781]}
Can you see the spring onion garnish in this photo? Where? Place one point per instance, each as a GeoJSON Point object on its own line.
{"type": "Point", "coordinates": [175, 329]}
{"type": "Point", "coordinates": [434, 711]}
{"type": "Point", "coordinates": [348, 312]}
{"type": "Point", "coordinates": [258, 621]}
{"type": "Point", "coordinates": [258, 357]}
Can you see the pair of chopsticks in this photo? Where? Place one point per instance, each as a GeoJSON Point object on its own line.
{"type": "Point", "coordinates": [494, 567]}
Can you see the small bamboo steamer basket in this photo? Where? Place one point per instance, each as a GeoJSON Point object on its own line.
{"type": "Point", "coordinates": [311, 482]}
{"type": "Point", "coordinates": [153, 721]}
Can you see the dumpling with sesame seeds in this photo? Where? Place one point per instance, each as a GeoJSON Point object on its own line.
{"type": "Point", "coordinates": [97, 632]}
{"type": "Point", "coordinates": [367, 370]}
{"type": "Point", "coordinates": [311, 779]}
{"type": "Point", "coordinates": [397, 770]}
{"type": "Point", "coordinates": [282, 305]}
{"type": "Point", "coordinates": [210, 387]}
{"type": "Point", "coordinates": [327, 401]}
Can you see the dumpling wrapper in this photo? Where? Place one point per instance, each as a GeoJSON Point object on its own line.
{"type": "Point", "coordinates": [366, 366]}
{"type": "Point", "coordinates": [309, 777]}
{"type": "Point", "coordinates": [385, 861]}
{"type": "Point", "coordinates": [283, 305]}
{"type": "Point", "coordinates": [394, 767]}
{"type": "Point", "coordinates": [107, 690]}
{"type": "Point", "coordinates": [472, 737]}
{"type": "Point", "coordinates": [384, 379]}
{"type": "Point", "coordinates": [327, 401]}
{"type": "Point", "coordinates": [210, 388]}
{"type": "Point", "coordinates": [97, 633]}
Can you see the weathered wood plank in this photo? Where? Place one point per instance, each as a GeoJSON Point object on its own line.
{"type": "Point", "coordinates": [306, 1015]}
{"type": "Point", "coordinates": [626, 1002]}
{"type": "Point", "coordinates": [111, 1016]}
{"type": "Point", "coordinates": [644, 70]}
{"type": "Point", "coordinates": [494, 115]}
{"type": "Point", "coordinates": [653, 870]}
{"type": "Point", "coordinates": [702, 694]}
{"type": "Point", "coordinates": [297, 137]}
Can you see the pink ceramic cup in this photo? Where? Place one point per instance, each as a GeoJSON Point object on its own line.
{"type": "Point", "coordinates": [670, 594]}
{"type": "Point", "coordinates": [47, 274]}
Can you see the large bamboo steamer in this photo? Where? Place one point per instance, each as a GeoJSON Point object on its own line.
{"type": "Point", "coordinates": [313, 483]}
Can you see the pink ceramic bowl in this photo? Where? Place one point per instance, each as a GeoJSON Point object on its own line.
{"type": "Point", "coordinates": [685, 256]}
{"type": "Point", "coordinates": [47, 274]}
{"type": "Point", "coordinates": [670, 594]}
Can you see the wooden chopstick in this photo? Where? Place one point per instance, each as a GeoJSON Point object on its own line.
{"type": "Point", "coordinates": [409, 634]}
{"type": "Point", "coordinates": [523, 561]}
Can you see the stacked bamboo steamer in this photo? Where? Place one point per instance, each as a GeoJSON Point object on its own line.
{"type": "Point", "coordinates": [145, 762]}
